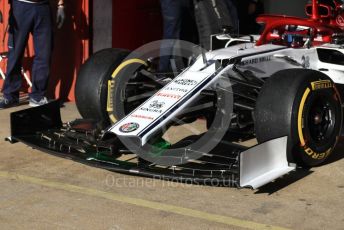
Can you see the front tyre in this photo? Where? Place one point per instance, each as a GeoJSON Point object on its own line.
{"type": "Point", "coordinates": [305, 106]}
{"type": "Point", "coordinates": [91, 90]}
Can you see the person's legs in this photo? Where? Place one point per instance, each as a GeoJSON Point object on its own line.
{"type": "Point", "coordinates": [20, 22]}
{"type": "Point", "coordinates": [42, 37]}
{"type": "Point", "coordinates": [172, 13]}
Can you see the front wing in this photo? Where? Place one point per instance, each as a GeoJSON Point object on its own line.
{"type": "Point", "coordinates": [228, 164]}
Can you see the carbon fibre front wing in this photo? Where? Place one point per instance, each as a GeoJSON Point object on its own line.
{"type": "Point", "coordinates": [228, 164]}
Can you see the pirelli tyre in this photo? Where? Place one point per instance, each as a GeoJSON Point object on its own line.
{"type": "Point", "coordinates": [305, 106]}
{"type": "Point", "coordinates": [91, 88]}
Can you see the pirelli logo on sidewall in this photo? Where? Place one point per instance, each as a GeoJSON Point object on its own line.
{"type": "Point", "coordinates": [323, 84]}
{"type": "Point", "coordinates": [109, 101]}
{"type": "Point", "coordinates": [315, 155]}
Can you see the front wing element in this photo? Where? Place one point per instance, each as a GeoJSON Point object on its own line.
{"type": "Point", "coordinates": [227, 165]}
{"type": "Point", "coordinates": [158, 110]}
{"type": "Point", "coordinates": [264, 163]}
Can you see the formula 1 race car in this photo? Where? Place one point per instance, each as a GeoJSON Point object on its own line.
{"type": "Point", "coordinates": [282, 88]}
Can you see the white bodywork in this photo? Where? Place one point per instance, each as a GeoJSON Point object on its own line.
{"type": "Point", "coordinates": [184, 89]}
{"type": "Point", "coordinates": [263, 61]}
{"type": "Point", "coordinates": [262, 163]}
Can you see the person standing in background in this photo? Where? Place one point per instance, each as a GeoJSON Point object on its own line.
{"type": "Point", "coordinates": [35, 17]}
{"type": "Point", "coordinates": [194, 21]}
{"type": "Point", "coordinates": [175, 15]}
{"type": "Point", "coordinates": [233, 13]}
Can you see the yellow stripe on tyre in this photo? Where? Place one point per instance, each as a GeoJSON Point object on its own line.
{"type": "Point", "coordinates": [125, 63]}
{"type": "Point", "coordinates": [299, 117]}
{"type": "Point", "coordinates": [110, 103]}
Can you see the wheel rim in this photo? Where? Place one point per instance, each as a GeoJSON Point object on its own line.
{"type": "Point", "coordinates": [321, 117]}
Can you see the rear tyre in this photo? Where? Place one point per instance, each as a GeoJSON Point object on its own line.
{"type": "Point", "coordinates": [305, 106]}
{"type": "Point", "coordinates": [91, 88]}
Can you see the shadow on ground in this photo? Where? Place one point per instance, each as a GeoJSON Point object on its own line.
{"type": "Point", "coordinates": [337, 154]}
{"type": "Point", "coordinates": [301, 173]}
{"type": "Point", "coordinates": [284, 181]}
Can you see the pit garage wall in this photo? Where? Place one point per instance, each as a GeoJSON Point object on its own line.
{"type": "Point", "coordinates": [71, 48]}
{"type": "Point", "coordinates": [286, 7]}
{"type": "Point", "coordinates": [101, 24]}
{"type": "Point", "coordinates": [3, 37]}
{"type": "Point", "coordinates": [135, 22]}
